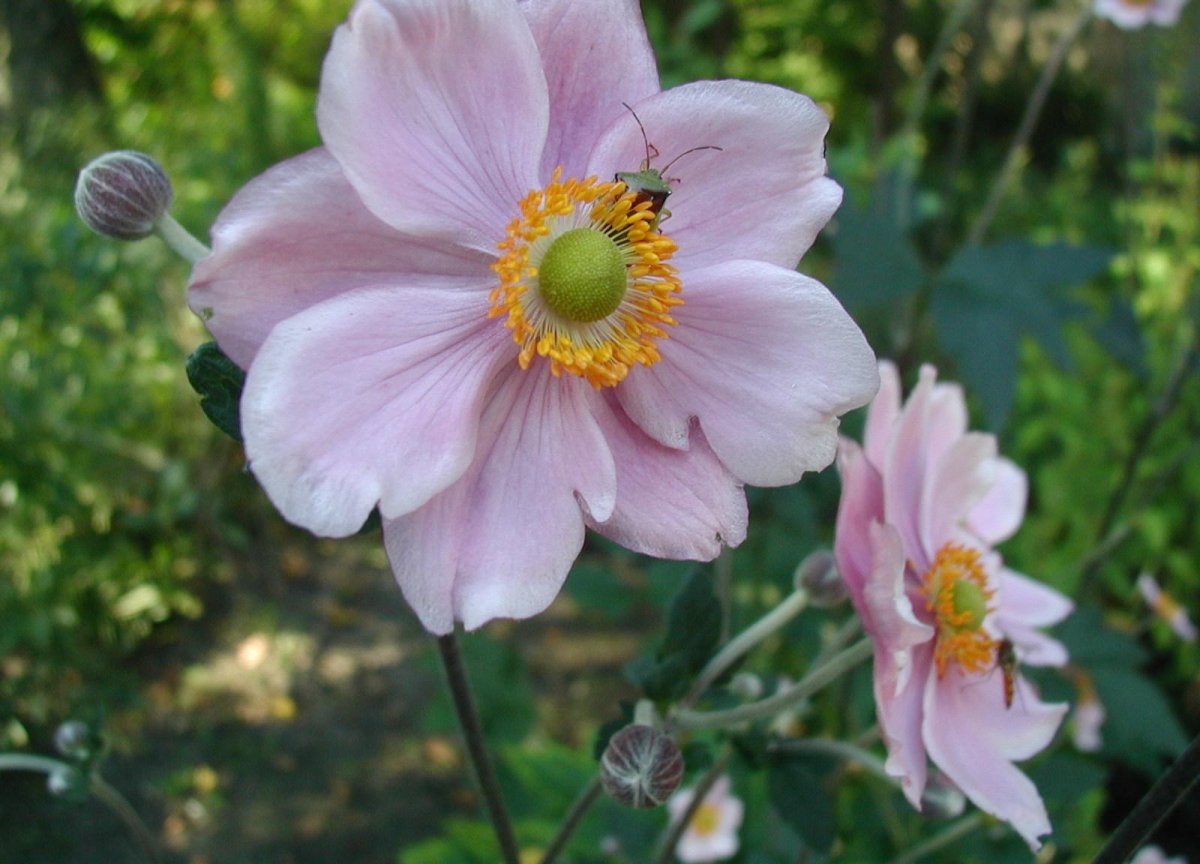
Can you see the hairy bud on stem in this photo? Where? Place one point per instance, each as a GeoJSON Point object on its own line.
{"type": "Point", "coordinates": [641, 767]}
{"type": "Point", "coordinates": [123, 194]}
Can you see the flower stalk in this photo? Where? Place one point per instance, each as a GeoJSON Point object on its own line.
{"type": "Point", "coordinates": [468, 718]}
{"type": "Point", "coordinates": [942, 839]}
{"type": "Point", "coordinates": [587, 797]}
{"type": "Point", "coordinates": [817, 679]}
{"type": "Point", "coordinates": [181, 241]}
{"type": "Point", "coordinates": [677, 829]}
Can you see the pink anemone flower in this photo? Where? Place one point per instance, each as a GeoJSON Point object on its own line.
{"type": "Point", "coordinates": [453, 313]}
{"type": "Point", "coordinates": [1134, 14]}
{"type": "Point", "coordinates": [923, 502]}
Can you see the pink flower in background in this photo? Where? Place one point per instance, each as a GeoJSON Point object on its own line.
{"type": "Point", "coordinates": [1166, 607]}
{"type": "Point", "coordinates": [1155, 855]}
{"type": "Point", "coordinates": [1087, 721]}
{"type": "Point", "coordinates": [923, 502]}
{"type": "Point", "coordinates": [1132, 14]}
{"type": "Point", "coordinates": [450, 312]}
{"type": "Point", "coordinates": [711, 835]}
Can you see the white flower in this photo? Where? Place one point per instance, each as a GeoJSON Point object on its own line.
{"type": "Point", "coordinates": [712, 833]}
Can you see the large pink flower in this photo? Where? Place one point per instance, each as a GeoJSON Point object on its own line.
{"type": "Point", "coordinates": [1133, 14]}
{"type": "Point", "coordinates": [923, 502]}
{"type": "Point", "coordinates": [452, 313]}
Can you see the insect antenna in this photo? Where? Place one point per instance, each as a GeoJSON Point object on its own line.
{"type": "Point", "coordinates": [645, 140]}
{"type": "Point", "coordinates": [663, 170]}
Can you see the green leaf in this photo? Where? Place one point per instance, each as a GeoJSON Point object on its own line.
{"type": "Point", "coordinates": [876, 263]}
{"type": "Point", "coordinates": [219, 381]}
{"type": "Point", "coordinates": [799, 797]}
{"type": "Point", "coordinates": [989, 296]}
{"type": "Point", "coordinates": [1091, 643]}
{"type": "Point", "coordinates": [1140, 726]}
{"type": "Point", "coordinates": [693, 629]}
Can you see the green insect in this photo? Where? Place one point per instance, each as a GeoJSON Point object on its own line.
{"type": "Point", "coordinates": [650, 184]}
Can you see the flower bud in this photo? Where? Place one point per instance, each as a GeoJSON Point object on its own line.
{"type": "Point", "coordinates": [818, 575]}
{"type": "Point", "coordinates": [941, 799]}
{"type": "Point", "coordinates": [61, 781]}
{"type": "Point", "coordinates": [73, 739]}
{"type": "Point", "coordinates": [746, 685]}
{"type": "Point", "coordinates": [641, 767]}
{"type": "Point", "coordinates": [122, 194]}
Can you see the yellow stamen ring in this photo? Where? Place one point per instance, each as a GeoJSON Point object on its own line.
{"type": "Point", "coordinates": [603, 350]}
{"type": "Point", "coordinates": [956, 593]}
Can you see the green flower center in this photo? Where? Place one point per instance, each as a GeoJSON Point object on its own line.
{"type": "Point", "coordinates": [582, 276]}
{"type": "Point", "coordinates": [970, 605]}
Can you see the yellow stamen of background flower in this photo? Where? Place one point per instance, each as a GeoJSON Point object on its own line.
{"type": "Point", "coordinates": [956, 592]}
{"type": "Point", "coordinates": [707, 819]}
{"type": "Point", "coordinates": [604, 350]}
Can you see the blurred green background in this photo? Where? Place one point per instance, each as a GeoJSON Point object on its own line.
{"type": "Point", "coordinates": [268, 698]}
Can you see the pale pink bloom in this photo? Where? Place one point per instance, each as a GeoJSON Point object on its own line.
{"type": "Point", "coordinates": [1155, 855]}
{"type": "Point", "coordinates": [399, 359]}
{"type": "Point", "coordinates": [1166, 607]}
{"type": "Point", "coordinates": [1132, 14]}
{"type": "Point", "coordinates": [711, 835]}
{"type": "Point", "coordinates": [1088, 719]}
{"type": "Point", "coordinates": [923, 502]}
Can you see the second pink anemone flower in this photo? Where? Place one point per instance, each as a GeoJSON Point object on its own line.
{"type": "Point", "coordinates": [451, 311]}
{"type": "Point", "coordinates": [1133, 14]}
{"type": "Point", "coordinates": [923, 502]}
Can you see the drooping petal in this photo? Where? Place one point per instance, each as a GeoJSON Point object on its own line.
{"type": "Point", "coordinates": [999, 514]}
{"type": "Point", "coordinates": [678, 504]}
{"type": "Point", "coordinates": [515, 521]}
{"type": "Point", "coordinates": [860, 506]}
{"type": "Point", "coordinates": [763, 196]}
{"type": "Point", "coordinates": [1023, 605]}
{"type": "Point", "coordinates": [298, 235]}
{"type": "Point", "coordinates": [596, 56]}
{"type": "Point", "coordinates": [954, 485]}
{"type": "Point", "coordinates": [371, 398]}
{"type": "Point", "coordinates": [883, 414]}
{"type": "Point", "coordinates": [973, 738]}
{"type": "Point", "coordinates": [437, 111]}
{"type": "Point", "coordinates": [767, 360]}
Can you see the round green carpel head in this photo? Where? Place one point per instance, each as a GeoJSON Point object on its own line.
{"type": "Point", "coordinates": [582, 276]}
{"type": "Point", "coordinates": [970, 602]}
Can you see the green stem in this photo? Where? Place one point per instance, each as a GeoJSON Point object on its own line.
{"type": "Point", "coordinates": [817, 679]}
{"type": "Point", "coordinates": [943, 838]}
{"type": "Point", "coordinates": [98, 787]}
{"type": "Point", "coordinates": [179, 239]}
{"type": "Point", "coordinates": [671, 840]}
{"type": "Point", "coordinates": [843, 750]}
{"type": "Point", "coordinates": [734, 649]}
{"type": "Point", "coordinates": [574, 816]}
{"type": "Point", "coordinates": [468, 718]}
{"type": "Point", "coordinates": [1033, 111]}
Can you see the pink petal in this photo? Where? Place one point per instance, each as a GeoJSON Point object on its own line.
{"type": "Point", "coordinates": [499, 543]}
{"type": "Point", "coordinates": [998, 515]}
{"type": "Point", "coordinates": [860, 506]}
{"type": "Point", "coordinates": [973, 738]}
{"type": "Point", "coordinates": [371, 398]}
{"type": "Point", "coordinates": [679, 504]}
{"type": "Point", "coordinates": [437, 112]}
{"type": "Point", "coordinates": [298, 235]}
{"type": "Point", "coordinates": [764, 196]}
{"type": "Point", "coordinates": [596, 56]}
{"type": "Point", "coordinates": [1023, 605]}
{"type": "Point", "coordinates": [947, 420]}
{"type": "Point", "coordinates": [954, 485]}
{"type": "Point", "coordinates": [883, 414]}
{"type": "Point", "coordinates": [904, 470]}
{"type": "Point", "coordinates": [767, 360]}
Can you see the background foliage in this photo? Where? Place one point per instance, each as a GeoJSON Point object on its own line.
{"type": "Point", "coordinates": [136, 557]}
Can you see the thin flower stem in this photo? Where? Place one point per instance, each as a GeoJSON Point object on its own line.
{"type": "Point", "coordinates": [1033, 110]}
{"type": "Point", "coordinates": [571, 821]}
{"type": "Point", "coordinates": [840, 639]}
{"type": "Point", "coordinates": [671, 840]}
{"type": "Point", "coordinates": [99, 788]}
{"type": "Point", "coordinates": [735, 648]}
{"type": "Point", "coordinates": [818, 678]}
{"type": "Point", "coordinates": [181, 241]}
{"type": "Point", "coordinates": [943, 838]}
{"type": "Point", "coordinates": [468, 718]}
{"type": "Point", "coordinates": [1157, 804]}
{"type": "Point", "coordinates": [842, 750]}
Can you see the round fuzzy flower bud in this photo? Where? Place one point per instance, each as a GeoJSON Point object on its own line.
{"type": "Point", "coordinates": [73, 739]}
{"type": "Point", "coordinates": [122, 194]}
{"type": "Point", "coordinates": [61, 781]}
{"type": "Point", "coordinates": [641, 767]}
{"type": "Point", "coordinates": [746, 685]}
{"type": "Point", "coordinates": [818, 575]}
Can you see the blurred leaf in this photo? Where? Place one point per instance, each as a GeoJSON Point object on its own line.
{"type": "Point", "coordinates": [1065, 777]}
{"type": "Point", "coordinates": [219, 381]}
{"type": "Point", "coordinates": [876, 264]}
{"type": "Point", "coordinates": [1092, 643]}
{"type": "Point", "coordinates": [693, 629]}
{"type": "Point", "coordinates": [989, 296]}
{"type": "Point", "coordinates": [1140, 726]}
{"type": "Point", "coordinates": [799, 797]}
{"type": "Point", "coordinates": [463, 842]}
{"type": "Point", "coordinates": [1121, 336]}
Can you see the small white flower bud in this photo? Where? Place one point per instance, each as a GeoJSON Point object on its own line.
{"type": "Point", "coordinates": [641, 767]}
{"type": "Point", "coordinates": [942, 799]}
{"type": "Point", "coordinates": [73, 739]}
{"type": "Point", "coordinates": [818, 575]}
{"type": "Point", "coordinates": [747, 685]}
{"type": "Point", "coordinates": [123, 194]}
{"type": "Point", "coordinates": [61, 782]}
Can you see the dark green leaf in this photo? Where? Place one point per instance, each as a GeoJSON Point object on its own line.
{"type": "Point", "coordinates": [219, 381]}
{"type": "Point", "coordinates": [693, 629]}
{"type": "Point", "coordinates": [799, 797]}
{"type": "Point", "coordinates": [1090, 643]}
{"type": "Point", "coordinates": [876, 263]}
{"type": "Point", "coordinates": [1140, 726]}
{"type": "Point", "coordinates": [1120, 335]}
